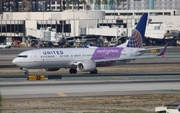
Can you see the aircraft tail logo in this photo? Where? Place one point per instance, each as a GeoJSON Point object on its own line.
{"type": "Point", "coordinates": [137, 37]}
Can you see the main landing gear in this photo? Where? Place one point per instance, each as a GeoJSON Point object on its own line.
{"type": "Point", "coordinates": [73, 71]}
{"type": "Point", "coordinates": [94, 72]}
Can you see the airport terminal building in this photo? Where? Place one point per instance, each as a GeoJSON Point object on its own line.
{"type": "Point", "coordinates": [46, 18]}
{"type": "Point", "coordinates": [20, 25]}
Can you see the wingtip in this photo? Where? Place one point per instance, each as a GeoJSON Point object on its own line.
{"type": "Point", "coordinates": [163, 51]}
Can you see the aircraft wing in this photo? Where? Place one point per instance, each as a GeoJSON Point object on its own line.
{"type": "Point", "coordinates": [154, 49]}
{"type": "Point", "coordinates": [125, 59]}
{"type": "Point", "coordinates": [136, 57]}
{"type": "Point", "coordinates": [151, 49]}
{"type": "Point", "coordinates": [114, 59]}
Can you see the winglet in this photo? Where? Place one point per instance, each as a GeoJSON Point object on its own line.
{"type": "Point", "coordinates": [163, 51]}
{"type": "Point", "coordinates": [38, 46]}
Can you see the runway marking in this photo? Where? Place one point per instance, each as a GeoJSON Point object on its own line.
{"type": "Point", "coordinates": [61, 94]}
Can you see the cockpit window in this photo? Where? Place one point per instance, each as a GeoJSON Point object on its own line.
{"type": "Point", "coordinates": [22, 56]}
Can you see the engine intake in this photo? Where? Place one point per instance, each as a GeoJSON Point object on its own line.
{"type": "Point", "coordinates": [86, 66]}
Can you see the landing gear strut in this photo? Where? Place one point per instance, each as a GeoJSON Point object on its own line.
{"type": "Point", "coordinates": [94, 72]}
{"type": "Point", "coordinates": [26, 72]}
{"type": "Point", "coordinates": [72, 71]}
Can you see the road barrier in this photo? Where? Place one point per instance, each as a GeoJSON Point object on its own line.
{"type": "Point", "coordinates": [35, 77]}
{"type": "Point", "coordinates": [54, 77]}
{"type": "Point", "coordinates": [42, 77]}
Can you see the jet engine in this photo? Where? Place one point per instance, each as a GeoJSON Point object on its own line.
{"type": "Point", "coordinates": [52, 69]}
{"type": "Point", "coordinates": [86, 66]}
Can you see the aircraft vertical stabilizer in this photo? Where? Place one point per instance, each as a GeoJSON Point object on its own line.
{"type": "Point", "coordinates": [137, 37]}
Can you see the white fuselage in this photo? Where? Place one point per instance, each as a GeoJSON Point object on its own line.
{"type": "Point", "coordinates": [65, 57]}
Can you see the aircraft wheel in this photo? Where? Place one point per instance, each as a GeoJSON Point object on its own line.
{"type": "Point", "coordinates": [94, 72]}
{"type": "Point", "coordinates": [72, 71]}
{"type": "Point", "coordinates": [75, 71]}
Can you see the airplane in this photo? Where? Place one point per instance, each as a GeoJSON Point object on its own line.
{"type": "Point", "coordinates": [86, 59]}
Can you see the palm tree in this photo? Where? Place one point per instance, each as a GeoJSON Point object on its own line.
{"type": "Point", "coordinates": [67, 4]}
{"type": "Point", "coordinates": [60, 5]}
{"type": "Point", "coordinates": [118, 2]}
{"type": "Point", "coordinates": [104, 2]}
{"type": "Point", "coordinates": [123, 3]}
{"type": "Point", "coordinates": [91, 2]}
{"type": "Point", "coordinates": [88, 7]}
{"type": "Point", "coordinates": [64, 7]}
{"type": "Point", "coordinates": [74, 2]}
{"type": "Point", "coordinates": [78, 4]}
{"type": "Point", "coordinates": [98, 2]}
{"type": "Point", "coordinates": [111, 2]}
{"type": "Point", "coordinates": [84, 3]}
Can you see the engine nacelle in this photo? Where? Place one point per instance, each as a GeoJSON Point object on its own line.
{"type": "Point", "coordinates": [52, 69]}
{"type": "Point", "coordinates": [86, 66]}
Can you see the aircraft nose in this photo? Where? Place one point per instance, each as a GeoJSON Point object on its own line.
{"type": "Point", "coordinates": [14, 61]}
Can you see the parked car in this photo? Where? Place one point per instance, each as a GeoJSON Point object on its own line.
{"type": "Point", "coordinates": [3, 45]}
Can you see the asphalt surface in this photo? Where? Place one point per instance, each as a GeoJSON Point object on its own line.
{"type": "Point", "coordinates": [91, 88]}
{"type": "Point", "coordinates": [102, 74]}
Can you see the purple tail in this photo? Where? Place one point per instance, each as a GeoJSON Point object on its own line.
{"type": "Point", "coordinates": [38, 46]}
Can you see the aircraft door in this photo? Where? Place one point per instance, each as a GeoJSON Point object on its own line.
{"type": "Point", "coordinates": [35, 57]}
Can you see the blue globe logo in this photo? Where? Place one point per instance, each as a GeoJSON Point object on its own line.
{"type": "Point", "coordinates": [135, 40]}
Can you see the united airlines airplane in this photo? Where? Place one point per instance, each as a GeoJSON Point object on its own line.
{"type": "Point", "coordinates": [85, 59]}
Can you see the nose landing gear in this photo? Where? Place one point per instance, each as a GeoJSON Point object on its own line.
{"type": "Point", "coordinates": [25, 71]}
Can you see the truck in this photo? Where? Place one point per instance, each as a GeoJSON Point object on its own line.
{"type": "Point", "coordinates": [111, 36]}
{"type": "Point", "coordinates": [160, 34]}
{"type": "Point", "coordinates": [173, 107]}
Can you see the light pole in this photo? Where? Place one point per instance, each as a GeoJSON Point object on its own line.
{"type": "Point", "coordinates": [1, 15]}
{"type": "Point", "coordinates": [127, 17]}
{"type": "Point", "coordinates": [127, 4]}
{"type": "Point", "coordinates": [43, 15]}
{"type": "Point", "coordinates": [138, 14]}
{"type": "Point", "coordinates": [114, 10]}
{"type": "Point", "coordinates": [127, 8]}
